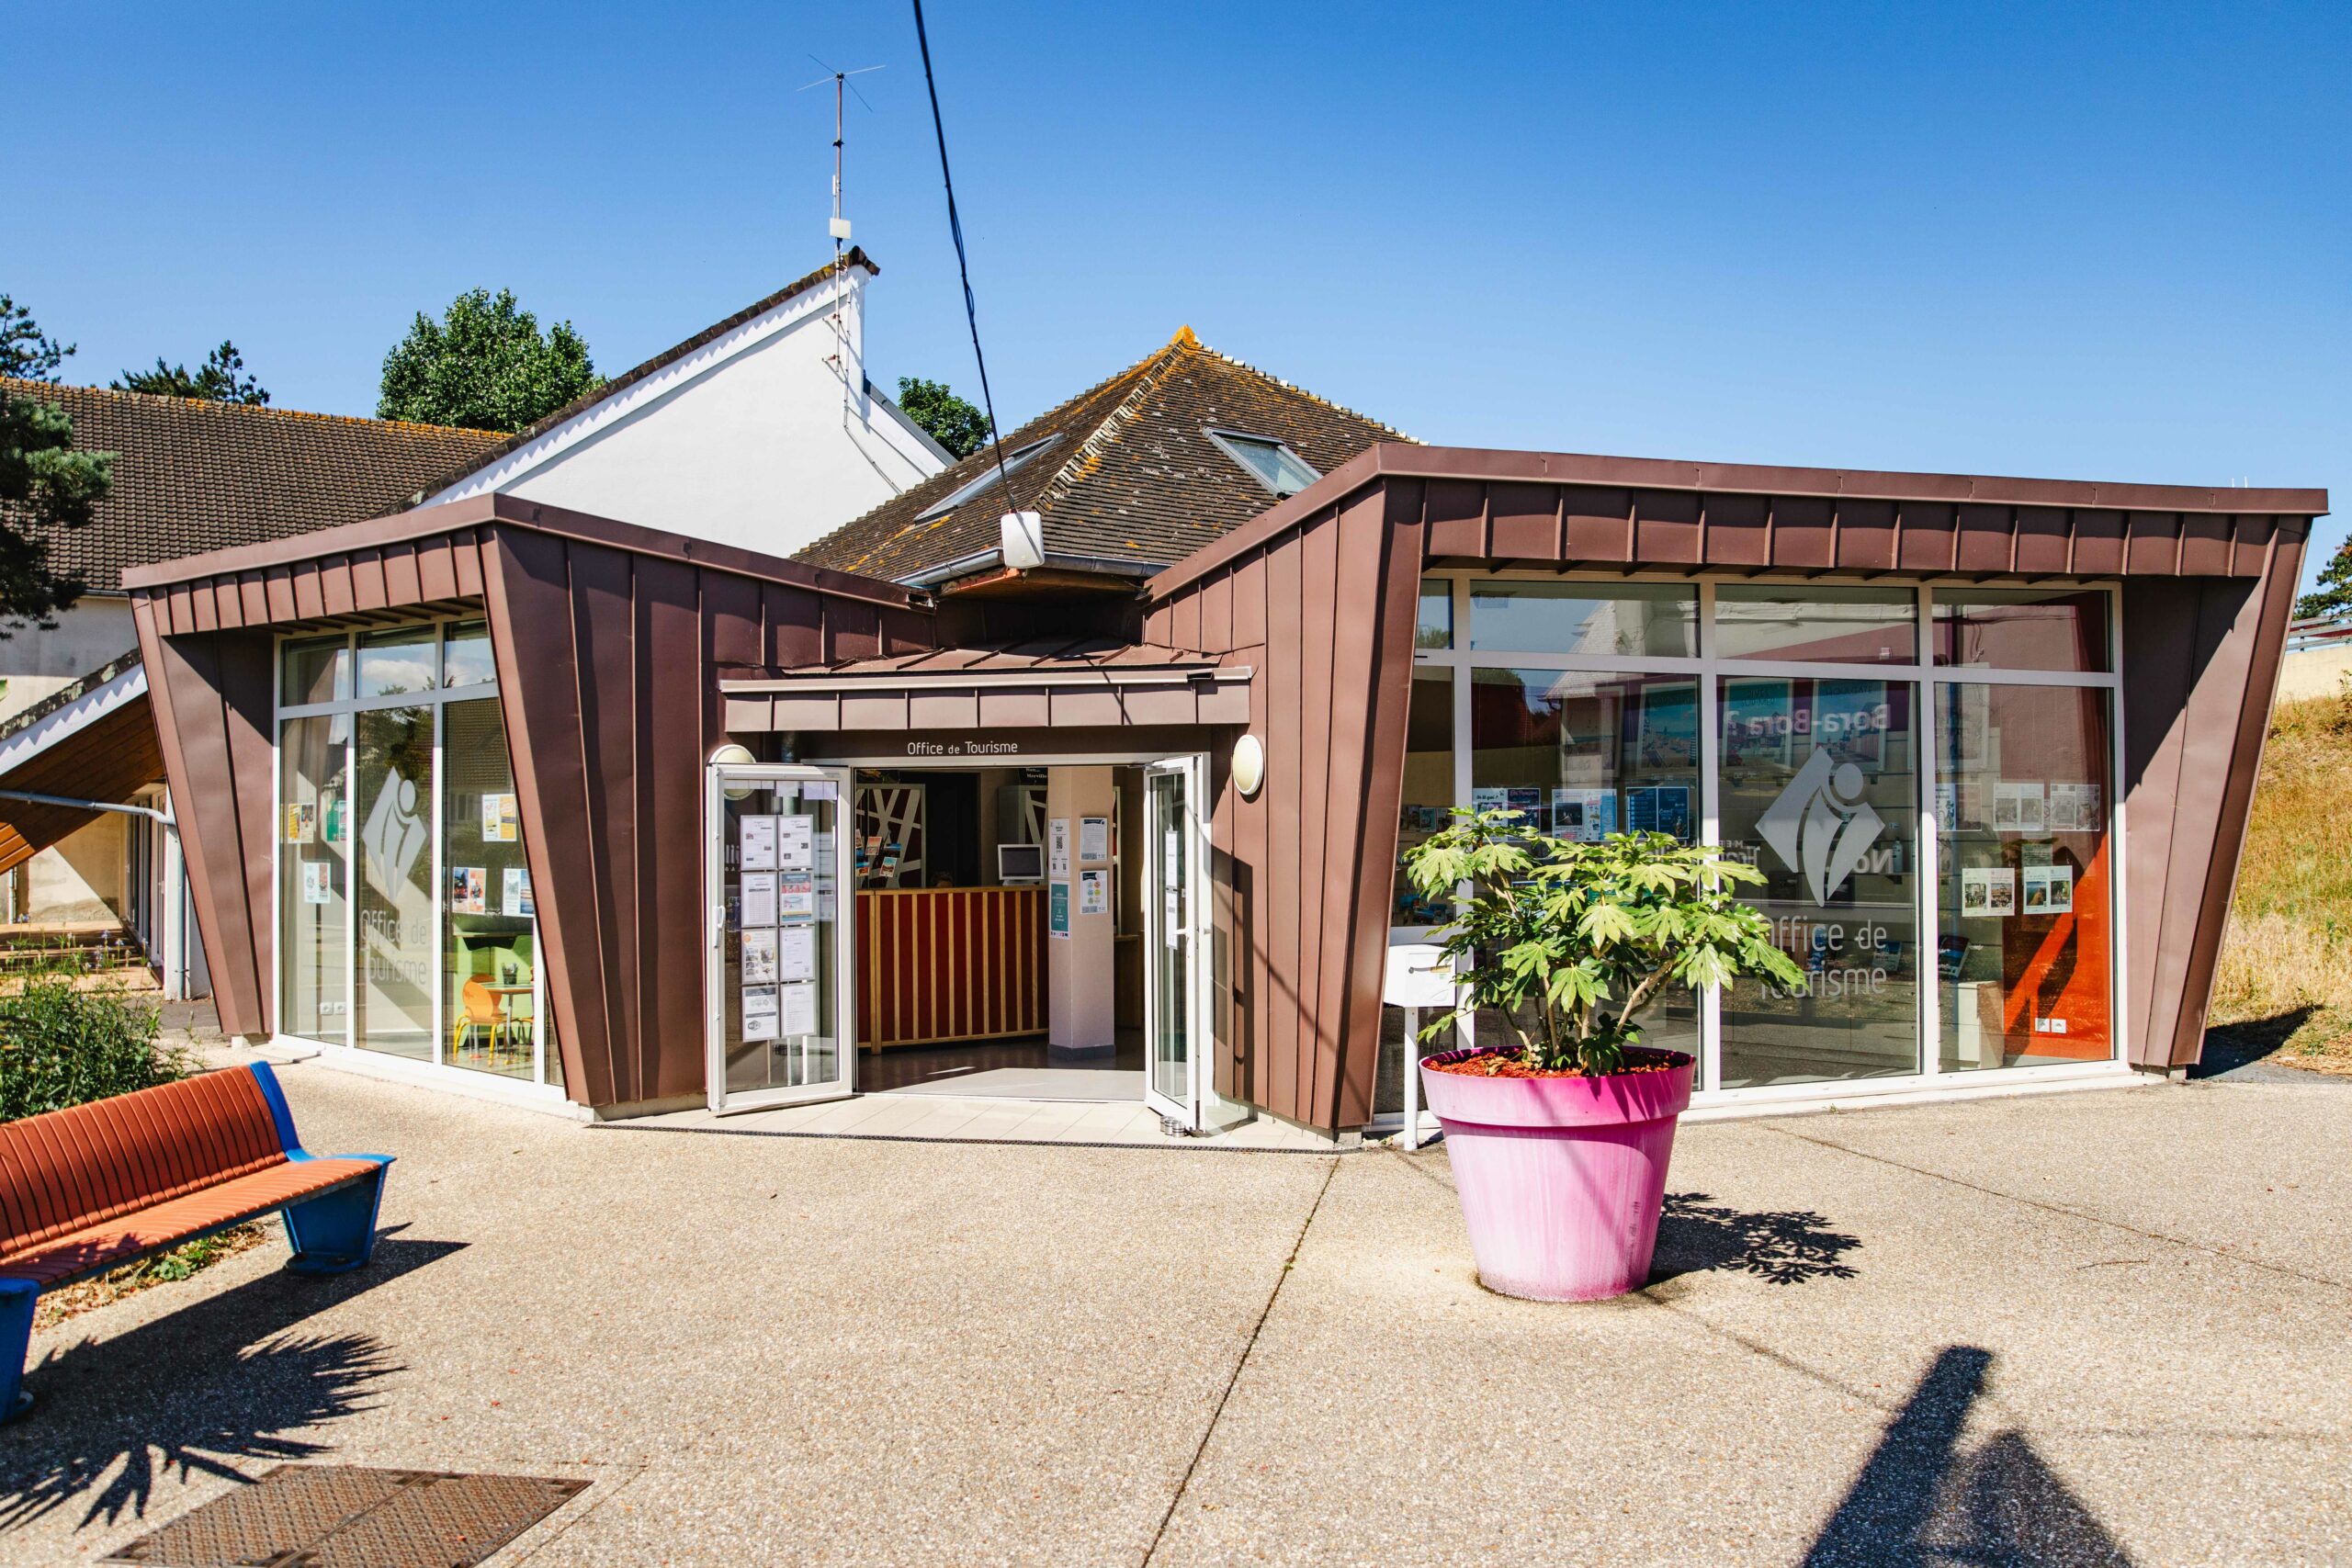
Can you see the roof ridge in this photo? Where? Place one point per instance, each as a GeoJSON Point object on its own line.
{"type": "Point", "coordinates": [920, 521]}
{"type": "Point", "coordinates": [262, 410]}
{"type": "Point", "coordinates": [1240, 364]}
{"type": "Point", "coordinates": [1063, 478]}
{"type": "Point", "coordinates": [613, 386]}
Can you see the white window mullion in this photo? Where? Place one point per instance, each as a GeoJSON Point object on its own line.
{"type": "Point", "coordinates": [1926, 945]}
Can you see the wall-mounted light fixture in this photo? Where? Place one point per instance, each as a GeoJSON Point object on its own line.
{"type": "Point", "coordinates": [1249, 765]}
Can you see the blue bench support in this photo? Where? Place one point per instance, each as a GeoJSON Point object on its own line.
{"type": "Point", "coordinates": [332, 1232]}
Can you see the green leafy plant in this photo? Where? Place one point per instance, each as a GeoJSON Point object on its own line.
{"type": "Point", "coordinates": [61, 1045]}
{"type": "Point", "coordinates": [1567, 941]}
{"type": "Point", "coordinates": [951, 421]}
{"type": "Point", "coordinates": [484, 366]}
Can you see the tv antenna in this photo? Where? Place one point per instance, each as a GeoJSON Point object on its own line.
{"type": "Point", "coordinates": [843, 88]}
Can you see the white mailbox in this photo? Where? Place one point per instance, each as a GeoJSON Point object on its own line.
{"type": "Point", "coordinates": [1419, 975]}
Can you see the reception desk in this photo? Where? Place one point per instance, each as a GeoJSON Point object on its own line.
{"type": "Point", "coordinates": [940, 964]}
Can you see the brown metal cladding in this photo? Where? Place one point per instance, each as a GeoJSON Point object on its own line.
{"type": "Point", "coordinates": [609, 642]}
{"type": "Point", "coordinates": [212, 698]}
{"type": "Point", "coordinates": [1319, 593]}
{"type": "Point", "coordinates": [1333, 601]}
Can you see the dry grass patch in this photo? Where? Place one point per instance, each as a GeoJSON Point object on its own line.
{"type": "Point", "coordinates": [2287, 961]}
{"type": "Point", "coordinates": [165, 1269]}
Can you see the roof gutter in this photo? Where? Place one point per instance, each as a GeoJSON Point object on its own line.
{"type": "Point", "coordinates": [965, 566]}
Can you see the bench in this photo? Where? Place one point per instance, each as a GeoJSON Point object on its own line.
{"type": "Point", "coordinates": [93, 1187]}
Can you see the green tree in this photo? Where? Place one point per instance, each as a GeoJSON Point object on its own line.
{"type": "Point", "coordinates": [484, 366]}
{"type": "Point", "coordinates": [950, 420]}
{"type": "Point", "coordinates": [2331, 594]}
{"type": "Point", "coordinates": [45, 484]}
{"type": "Point", "coordinates": [221, 378]}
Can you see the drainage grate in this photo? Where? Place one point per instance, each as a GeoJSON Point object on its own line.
{"type": "Point", "coordinates": [343, 1516]}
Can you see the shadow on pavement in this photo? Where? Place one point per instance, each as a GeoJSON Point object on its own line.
{"type": "Point", "coordinates": [1920, 1503]}
{"type": "Point", "coordinates": [1697, 1234]}
{"type": "Point", "coordinates": [216, 1381]}
{"type": "Point", "coordinates": [2250, 1049]}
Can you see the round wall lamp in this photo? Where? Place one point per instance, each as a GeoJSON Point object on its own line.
{"type": "Point", "coordinates": [734, 756]}
{"type": "Point", "coordinates": [1249, 765]}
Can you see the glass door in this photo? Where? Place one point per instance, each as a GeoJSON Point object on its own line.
{"type": "Point", "coordinates": [782, 1026]}
{"type": "Point", "coordinates": [1173, 1010]}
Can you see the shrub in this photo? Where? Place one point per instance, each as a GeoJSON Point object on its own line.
{"type": "Point", "coordinates": [1567, 939]}
{"type": "Point", "coordinates": [61, 1046]}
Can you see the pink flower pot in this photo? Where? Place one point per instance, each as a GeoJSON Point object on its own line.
{"type": "Point", "coordinates": [1561, 1179]}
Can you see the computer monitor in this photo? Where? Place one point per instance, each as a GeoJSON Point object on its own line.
{"type": "Point", "coordinates": [1018, 863]}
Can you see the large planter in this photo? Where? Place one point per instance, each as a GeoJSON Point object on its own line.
{"type": "Point", "coordinates": [1561, 1178]}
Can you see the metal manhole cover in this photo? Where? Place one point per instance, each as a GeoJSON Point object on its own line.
{"type": "Point", "coordinates": [345, 1516]}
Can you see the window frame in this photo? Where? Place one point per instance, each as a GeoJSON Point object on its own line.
{"type": "Point", "coordinates": [1224, 437]}
{"type": "Point", "coordinates": [1015, 460]}
{"type": "Point", "coordinates": [1924, 675]}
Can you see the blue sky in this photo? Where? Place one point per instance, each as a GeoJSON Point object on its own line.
{"type": "Point", "coordinates": [2101, 242]}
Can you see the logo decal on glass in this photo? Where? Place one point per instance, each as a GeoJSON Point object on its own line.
{"type": "Point", "coordinates": [394, 834]}
{"type": "Point", "coordinates": [1821, 825]}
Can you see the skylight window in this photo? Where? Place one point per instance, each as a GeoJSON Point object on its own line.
{"type": "Point", "coordinates": [987, 477]}
{"type": "Point", "coordinates": [1271, 463]}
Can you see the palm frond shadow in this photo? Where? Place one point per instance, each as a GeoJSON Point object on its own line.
{"type": "Point", "coordinates": [221, 1383]}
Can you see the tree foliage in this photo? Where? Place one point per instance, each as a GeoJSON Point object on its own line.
{"type": "Point", "coordinates": [1569, 940]}
{"type": "Point", "coordinates": [2331, 594]}
{"type": "Point", "coordinates": [951, 421]}
{"type": "Point", "coordinates": [221, 378]}
{"type": "Point", "coordinates": [484, 366]}
{"type": "Point", "coordinates": [45, 483]}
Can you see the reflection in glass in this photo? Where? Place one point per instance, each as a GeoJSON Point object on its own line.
{"type": "Point", "coordinates": [1428, 787]}
{"type": "Point", "coordinates": [489, 947]}
{"type": "Point", "coordinates": [397, 663]}
{"type": "Point", "coordinates": [317, 670]}
{"type": "Point", "coordinates": [465, 656]}
{"type": "Point", "coordinates": [1168, 872]}
{"type": "Point", "coordinates": [2022, 799]}
{"type": "Point", "coordinates": [392, 854]}
{"type": "Point", "coordinates": [782, 1010]}
{"type": "Point", "coordinates": [1619, 618]}
{"type": "Point", "coordinates": [2022, 628]}
{"type": "Point", "coordinates": [1819, 625]}
{"type": "Point", "coordinates": [313, 876]}
{"type": "Point", "coordinates": [1819, 790]}
{"type": "Point", "coordinates": [1582, 756]}
{"type": "Point", "coordinates": [1434, 629]}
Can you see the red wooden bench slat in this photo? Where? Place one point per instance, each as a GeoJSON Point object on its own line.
{"type": "Point", "coordinates": [159, 1226]}
{"type": "Point", "coordinates": [69, 1171]}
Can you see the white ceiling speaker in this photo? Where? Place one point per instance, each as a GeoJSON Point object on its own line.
{"type": "Point", "coordinates": [1249, 765]}
{"type": "Point", "coordinates": [1024, 540]}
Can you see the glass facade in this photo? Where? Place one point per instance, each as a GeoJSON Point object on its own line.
{"type": "Point", "coordinates": [406, 919]}
{"type": "Point", "coordinates": [1924, 776]}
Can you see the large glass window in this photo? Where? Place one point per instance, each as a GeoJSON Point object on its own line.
{"type": "Point", "coordinates": [1819, 790]}
{"type": "Point", "coordinates": [1824, 625]}
{"type": "Point", "coordinates": [2022, 876]}
{"type": "Point", "coordinates": [1585, 755]}
{"type": "Point", "coordinates": [394, 859]}
{"type": "Point", "coordinates": [1985, 726]}
{"type": "Point", "coordinates": [1648, 619]}
{"type": "Point", "coordinates": [313, 837]}
{"type": "Point", "coordinates": [406, 916]}
{"type": "Point", "coordinates": [488, 942]}
{"type": "Point", "coordinates": [2022, 628]}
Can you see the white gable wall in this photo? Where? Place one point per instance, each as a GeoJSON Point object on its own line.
{"type": "Point", "coordinates": [746, 441]}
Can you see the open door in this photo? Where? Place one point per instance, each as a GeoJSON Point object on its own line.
{"type": "Point", "coordinates": [1175, 1009]}
{"type": "Point", "coordinates": [782, 1022]}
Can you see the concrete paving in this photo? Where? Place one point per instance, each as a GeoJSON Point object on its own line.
{"type": "Point", "coordinates": [2077, 1329]}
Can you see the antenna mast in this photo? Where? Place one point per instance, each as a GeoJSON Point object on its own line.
{"type": "Point", "coordinates": [840, 228]}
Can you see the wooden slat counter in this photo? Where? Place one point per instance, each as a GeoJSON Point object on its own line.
{"type": "Point", "coordinates": [939, 964]}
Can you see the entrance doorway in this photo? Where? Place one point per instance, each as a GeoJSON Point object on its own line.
{"type": "Point", "coordinates": [1022, 932]}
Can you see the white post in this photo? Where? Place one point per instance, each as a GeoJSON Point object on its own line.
{"type": "Point", "coordinates": [1412, 1078]}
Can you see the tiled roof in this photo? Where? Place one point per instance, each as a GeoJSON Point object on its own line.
{"type": "Point", "coordinates": [1134, 477]}
{"type": "Point", "coordinates": [192, 476]}
{"type": "Point", "coordinates": [626, 379]}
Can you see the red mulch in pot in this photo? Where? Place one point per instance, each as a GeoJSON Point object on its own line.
{"type": "Point", "coordinates": [1501, 1064]}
